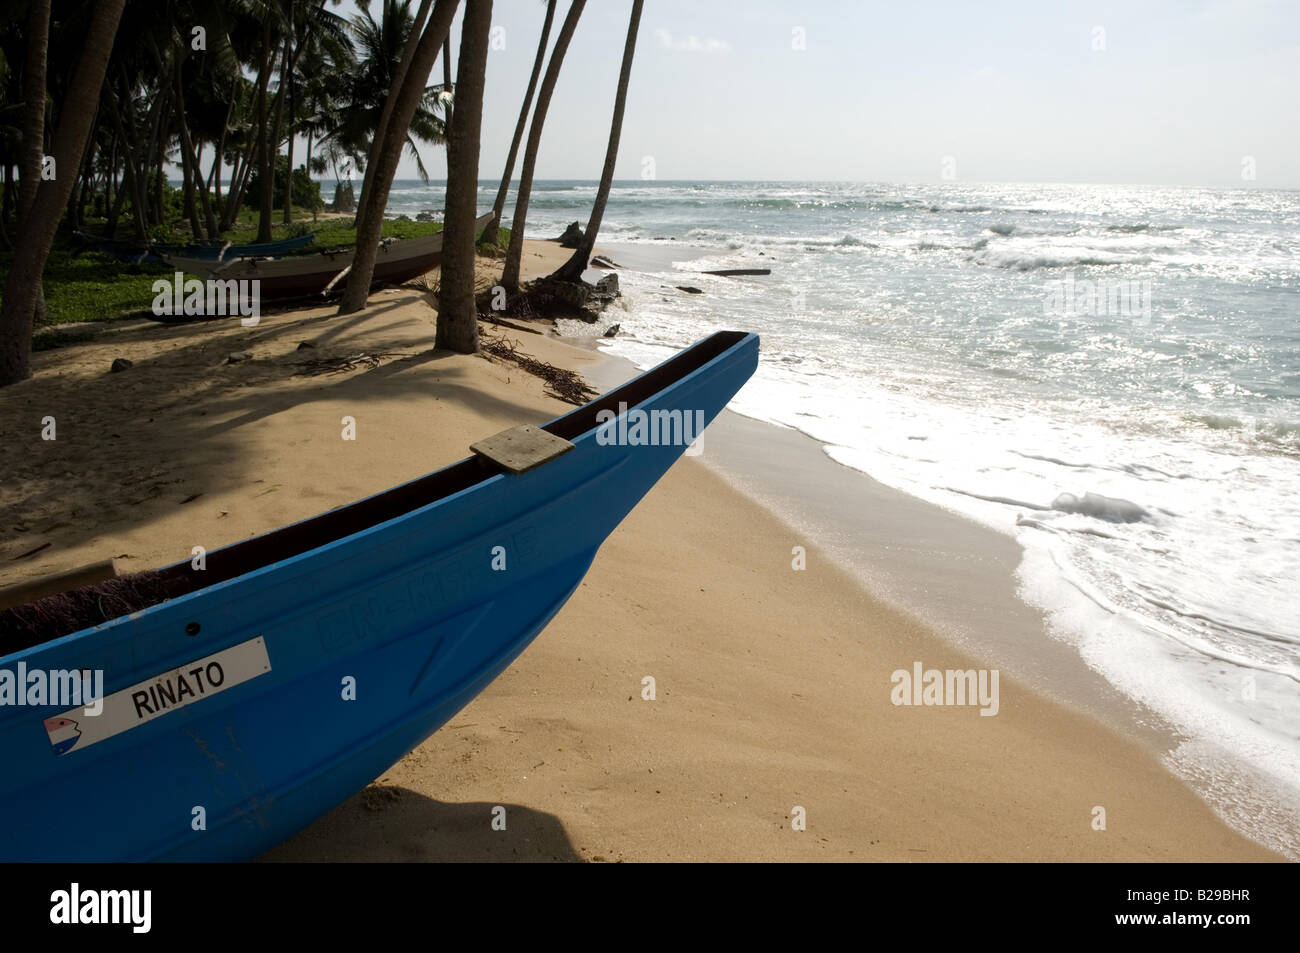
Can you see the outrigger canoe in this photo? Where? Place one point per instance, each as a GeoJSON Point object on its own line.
{"type": "Point", "coordinates": [301, 664]}
{"type": "Point", "coordinates": [227, 251]}
{"type": "Point", "coordinates": [297, 276]}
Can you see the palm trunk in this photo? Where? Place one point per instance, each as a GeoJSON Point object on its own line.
{"type": "Point", "coordinates": [191, 166]}
{"type": "Point", "coordinates": [514, 254]}
{"type": "Point", "coordinates": [572, 269]}
{"type": "Point", "coordinates": [38, 32]}
{"type": "Point", "coordinates": [4, 206]}
{"type": "Point", "coordinates": [160, 158]}
{"type": "Point", "coordinates": [457, 312]}
{"type": "Point", "coordinates": [110, 184]}
{"type": "Point", "coordinates": [17, 312]}
{"type": "Point", "coordinates": [379, 175]}
{"type": "Point", "coordinates": [499, 206]}
{"type": "Point", "coordinates": [378, 144]}
{"type": "Point", "coordinates": [266, 164]}
{"type": "Point", "coordinates": [38, 27]}
{"type": "Point", "coordinates": [205, 194]}
{"type": "Point", "coordinates": [287, 218]}
{"type": "Point", "coordinates": [5, 201]}
{"type": "Point", "coordinates": [84, 184]}
{"type": "Point", "coordinates": [447, 106]}
{"type": "Point", "coordinates": [217, 159]}
{"type": "Point", "coordinates": [131, 185]}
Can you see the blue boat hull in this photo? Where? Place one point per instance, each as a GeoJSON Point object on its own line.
{"type": "Point", "coordinates": [412, 616]}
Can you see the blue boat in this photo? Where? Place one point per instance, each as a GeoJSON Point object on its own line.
{"type": "Point", "coordinates": [300, 665]}
{"type": "Point", "coordinates": [228, 251]}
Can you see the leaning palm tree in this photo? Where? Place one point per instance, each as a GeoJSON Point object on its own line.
{"type": "Point", "coordinates": [499, 206]}
{"type": "Point", "coordinates": [514, 255]}
{"type": "Point", "coordinates": [457, 312]}
{"type": "Point", "coordinates": [379, 48]}
{"type": "Point", "coordinates": [38, 32]}
{"type": "Point", "coordinates": [401, 103]}
{"type": "Point", "coordinates": [36, 235]}
{"type": "Point", "coordinates": [572, 269]}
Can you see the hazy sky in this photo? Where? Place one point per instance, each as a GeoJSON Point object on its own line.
{"type": "Point", "coordinates": [1173, 92]}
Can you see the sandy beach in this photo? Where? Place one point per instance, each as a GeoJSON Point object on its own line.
{"type": "Point", "coordinates": [771, 734]}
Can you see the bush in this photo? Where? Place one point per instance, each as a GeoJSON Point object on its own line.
{"type": "Point", "coordinates": [306, 191]}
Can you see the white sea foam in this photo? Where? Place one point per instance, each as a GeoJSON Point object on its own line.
{"type": "Point", "coordinates": [1149, 465]}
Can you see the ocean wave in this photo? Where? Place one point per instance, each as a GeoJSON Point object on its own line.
{"type": "Point", "coordinates": [1031, 259]}
{"type": "Point", "coordinates": [1142, 227]}
{"type": "Point", "coordinates": [1107, 508]}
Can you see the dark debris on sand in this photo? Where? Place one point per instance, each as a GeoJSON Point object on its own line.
{"type": "Point", "coordinates": [563, 383]}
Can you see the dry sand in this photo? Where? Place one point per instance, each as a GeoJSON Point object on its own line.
{"type": "Point", "coordinates": [772, 686]}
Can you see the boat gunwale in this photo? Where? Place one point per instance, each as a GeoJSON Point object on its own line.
{"type": "Point", "coordinates": [677, 367]}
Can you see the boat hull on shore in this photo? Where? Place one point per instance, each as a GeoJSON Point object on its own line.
{"type": "Point", "coordinates": [318, 655]}
{"type": "Point", "coordinates": [300, 276]}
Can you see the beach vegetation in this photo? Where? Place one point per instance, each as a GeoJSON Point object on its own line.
{"type": "Point", "coordinates": [117, 94]}
{"type": "Point", "coordinates": [514, 254]}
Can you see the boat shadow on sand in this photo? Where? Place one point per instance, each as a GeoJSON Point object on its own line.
{"type": "Point", "coordinates": [184, 428]}
{"type": "Point", "coordinates": [393, 823]}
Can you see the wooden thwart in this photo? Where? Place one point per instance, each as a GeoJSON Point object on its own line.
{"type": "Point", "coordinates": [26, 592]}
{"type": "Point", "coordinates": [519, 449]}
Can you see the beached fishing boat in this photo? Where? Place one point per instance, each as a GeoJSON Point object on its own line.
{"type": "Point", "coordinates": [297, 276]}
{"type": "Point", "coordinates": [299, 665]}
{"type": "Point", "coordinates": [226, 251]}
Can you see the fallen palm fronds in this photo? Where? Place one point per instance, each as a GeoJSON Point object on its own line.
{"type": "Point", "coordinates": [562, 383]}
{"type": "Point", "coordinates": [333, 365]}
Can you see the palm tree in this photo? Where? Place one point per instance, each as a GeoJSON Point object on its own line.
{"type": "Point", "coordinates": [499, 206]}
{"type": "Point", "coordinates": [514, 254]}
{"type": "Point", "coordinates": [386, 150]}
{"type": "Point", "coordinates": [409, 49]}
{"type": "Point", "coordinates": [34, 85]}
{"type": "Point", "coordinates": [312, 28]}
{"type": "Point", "coordinates": [37, 232]}
{"type": "Point", "coordinates": [457, 312]}
{"type": "Point", "coordinates": [379, 47]}
{"type": "Point", "coordinates": [325, 77]}
{"type": "Point", "coordinates": [572, 269]}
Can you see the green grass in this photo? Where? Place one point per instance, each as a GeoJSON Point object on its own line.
{"type": "Point", "coordinates": [94, 287]}
{"type": "Point", "coordinates": [331, 233]}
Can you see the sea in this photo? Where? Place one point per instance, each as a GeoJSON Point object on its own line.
{"type": "Point", "coordinates": [1108, 374]}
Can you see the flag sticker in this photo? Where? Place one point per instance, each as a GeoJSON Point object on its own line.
{"type": "Point", "coordinates": [158, 696]}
